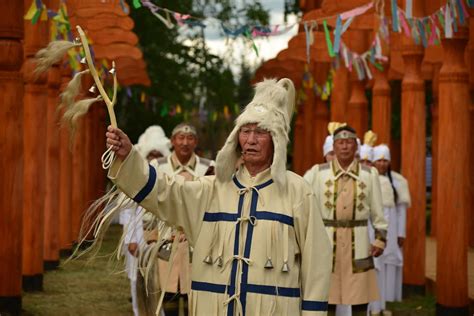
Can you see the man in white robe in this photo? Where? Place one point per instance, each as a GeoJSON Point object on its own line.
{"type": "Point", "coordinates": [260, 246]}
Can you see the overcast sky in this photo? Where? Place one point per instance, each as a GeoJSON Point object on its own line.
{"type": "Point", "coordinates": [267, 47]}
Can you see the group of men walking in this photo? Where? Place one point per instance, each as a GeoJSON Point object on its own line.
{"type": "Point", "coordinates": [261, 239]}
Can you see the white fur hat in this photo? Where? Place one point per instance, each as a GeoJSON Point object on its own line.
{"type": "Point", "coordinates": [154, 138]}
{"type": "Point", "coordinates": [381, 152]}
{"type": "Point", "coordinates": [271, 108]}
{"type": "Point", "coordinates": [328, 145]}
{"type": "Point", "coordinates": [366, 152]}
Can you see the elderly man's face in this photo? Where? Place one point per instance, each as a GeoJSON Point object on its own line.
{"type": "Point", "coordinates": [184, 144]}
{"type": "Point", "coordinates": [345, 149]}
{"type": "Point", "coordinates": [256, 144]}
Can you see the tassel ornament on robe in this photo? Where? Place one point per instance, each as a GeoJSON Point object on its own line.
{"type": "Point", "coordinates": [269, 264]}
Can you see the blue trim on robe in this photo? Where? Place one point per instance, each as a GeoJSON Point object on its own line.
{"type": "Point", "coordinates": [259, 215]}
{"type": "Point", "coordinates": [148, 186]}
{"type": "Point", "coordinates": [230, 306]}
{"type": "Point", "coordinates": [250, 288]}
{"type": "Point", "coordinates": [248, 243]}
{"type": "Point", "coordinates": [314, 306]}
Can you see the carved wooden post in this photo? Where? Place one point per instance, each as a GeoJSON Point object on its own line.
{"type": "Point", "coordinates": [11, 159]}
{"type": "Point", "coordinates": [357, 108]}
{"type": "Point", "coordinates": [340, 95]}
{"type": "Point", "coordinates": [454, 169]}
{"type": "Point", "coordinates": [78, 184]}
{"type": "Point", "coordinates": [51, 203]}
{"type": "Point", "coordinates": [65, 180]}
{"type": "Point", "coordinates": [320, 115]}
{"type": "Point", "coordinates": [298, 143]}
{"type": "Point", "coordinates": [434, 149]}
{"type": "Point", "coordinates": [308, 104]}
{"type": "Point", "coordinates": [413, 164]}
{"type": "Point", "coordinates": [35, 106]}
{"type": "Point", "coordinates": [51, 206]}
{"type": "Point", "coordinates": [470, 59]}
{"type": "Point", "coordinates": [381, 106]}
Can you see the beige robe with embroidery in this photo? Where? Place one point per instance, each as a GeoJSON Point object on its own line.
{"type": "Point", "coordinates": [245, 222]}
{"type": "Point", "coordinates": [354, 195]}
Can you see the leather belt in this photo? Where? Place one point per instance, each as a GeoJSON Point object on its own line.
{"type": "Point", "coordinates": [344, 223]}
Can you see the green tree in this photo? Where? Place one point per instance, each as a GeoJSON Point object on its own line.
{"type": "Point", "coordinates": [183, 71]}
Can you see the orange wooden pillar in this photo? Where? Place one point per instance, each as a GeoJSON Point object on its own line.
{"type": "Point", "coordinates": [34, 131]}
{"type": "Point", "coordinates": [470, 60]}
{"type": "Point", "coordinates": [308, 116]}
{"type": "Point", "coordinates": [357, 107]}
{"type": "Point", "coordinates": [298, 143]}
{"type": "Point", "coordinates": [65, 180]}
{"type": "Point", "coordinates": [381, 106]}
{"type": "Point", "coordinates": [51, 204]}
{"type": "Point", "coordinates": [434, 149]}
{"type": "Point", "coordinates": [11, 159]}
{"type": "Point", "coordinates": [413, 164]}
{"type": "Point", "coordinates": [78, 183]}
{"type": "Point", "coordinates": [320, 116]}
{"type": "Point", "coordinates": [340, 95]}
{"type": "Point", "coordinates": [454, 170]}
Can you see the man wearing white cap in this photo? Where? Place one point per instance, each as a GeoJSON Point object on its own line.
{"type": "Point", "coordinates": [176, 280]}
{"type": "Point", "coordinates": [152, 144]}
{"type": "Point", "coordinates": [349, 195]}
{"type": "Point", "coordinates": [396, 199]}
{"type": "Point", "coordinates": [259, 240]}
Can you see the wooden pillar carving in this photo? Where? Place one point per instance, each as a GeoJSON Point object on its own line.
{"type": "Point", "coordinates": [298, 143]}
{"type": "Point", "coordinates": [320, 114]}
{"type": "Point", "coordinates": [454, 169]}
{"type": "Point", "coordinates": [434, 148]}
{"type": "Point", "coordinates": [357, 108]}
{"type": "Point", "coordinates": [51, 206]}
{"type": "Point", "coordinates": [78, 183]}
{"type": "Point", "coordinates": [413, 164]}
{"type": "Point", "coordinates": [65, 180]}
{"type": "Point", "coordinates": [340, 95]}
{"type": "Point", "coordinates": [35, 106]}
{"type": "Point", "coordinates": [381, 106]}
{"type": "Point", "coordinates": [470, 59]}
{"type": "Point", "coordinates": [309, 105]}
{"type": "Point", "coordinates": [11, 159]}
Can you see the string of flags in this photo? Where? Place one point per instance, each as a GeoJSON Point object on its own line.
{"type": "Point", "coordinates": [427, 30]}
{"type": "Point", "coordinates": [168, 110]}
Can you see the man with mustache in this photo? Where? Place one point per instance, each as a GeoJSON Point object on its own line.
{"type": "Point", "coordinates": [260, 246]}
{"type": "Point", "coordinates": [349, 195]}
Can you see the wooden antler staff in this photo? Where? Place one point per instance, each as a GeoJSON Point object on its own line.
{"type": "Point", "coordinates": [108, 156]}
{"type": "Point", "coordinates": [52, 54]}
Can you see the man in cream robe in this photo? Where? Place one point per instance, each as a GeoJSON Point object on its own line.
{"type": "Point", "coordinates": [184, 162]}
{"type": "Point", "coordinates": [260, 246]}
{"type": "Point", "coordinates": [348, 198]}
{"type": "Point", "coordinates": [396, 199]}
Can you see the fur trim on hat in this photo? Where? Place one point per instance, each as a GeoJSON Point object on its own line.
{"type": "Point", "coordinates": [271, 108]}
{"type": "Point", "coordinates": [153, 138]}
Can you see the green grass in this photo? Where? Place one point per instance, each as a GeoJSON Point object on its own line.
{"type": "Point", "coordinates": [414, 306]}
{"type": "Point", "coordinates": [84, 288]}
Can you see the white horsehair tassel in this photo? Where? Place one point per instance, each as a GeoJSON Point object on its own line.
{"type": "Point", "coordinates": [285, 267]}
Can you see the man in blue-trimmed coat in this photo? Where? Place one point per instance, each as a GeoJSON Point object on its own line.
{"type": "Point", "coordinates": [260, 246]}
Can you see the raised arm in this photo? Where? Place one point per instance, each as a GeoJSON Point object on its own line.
{"type": "Point", "coordinates": [172, 199]}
